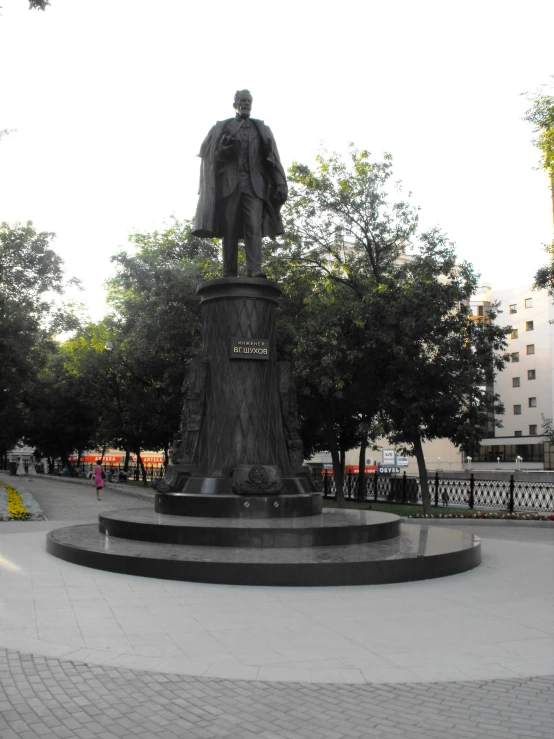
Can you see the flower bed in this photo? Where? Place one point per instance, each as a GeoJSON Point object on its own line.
{"type": "Point", "coordinates": [508, 516]}
{"type": "Point", "coordinates": [15, 508]}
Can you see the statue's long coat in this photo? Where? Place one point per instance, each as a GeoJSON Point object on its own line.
{"type": "Point", "coordinates": [218, 179]}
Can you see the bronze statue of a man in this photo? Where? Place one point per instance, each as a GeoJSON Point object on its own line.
{"type": "Point", "coordinates": [242, 187]}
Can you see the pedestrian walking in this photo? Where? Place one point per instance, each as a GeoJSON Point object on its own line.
{"type": "Point", "coordinates": [98, 477]}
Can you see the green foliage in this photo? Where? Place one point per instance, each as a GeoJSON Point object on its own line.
{"type": "Point", "coordinates": [544, 277]}
{"type": "Point", "coordinates": [31, 276]}
{"type": "Point", "coordinates": [60, 413]}
{"type": "Point", "coordinates": [541, 117]}
{"type": "Point", "coordinates": [547, 427]}
{"type": "Point", "coordinates": [384, 341]}
{"type": "Point", "coordinates": [154, 331]}
{"type": "Point", "coordinates": [29, 266]}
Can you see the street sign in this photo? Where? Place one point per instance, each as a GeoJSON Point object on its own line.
{"type": "Point", "coordinates": [388, 456]}
{"type": "Point", "coordinates": [402, 461]}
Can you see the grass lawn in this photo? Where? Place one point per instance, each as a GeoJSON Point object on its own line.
{"type": "Point", "coordinates": [397, 508]}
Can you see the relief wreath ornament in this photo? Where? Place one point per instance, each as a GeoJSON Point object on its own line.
{"type": "Point", "coordinates": [257, 480]}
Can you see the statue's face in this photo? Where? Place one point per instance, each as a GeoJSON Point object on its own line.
{"type": "Point", "coordinates": [243, 105]}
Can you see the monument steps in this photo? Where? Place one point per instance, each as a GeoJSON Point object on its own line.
{"type": "Point", "coordinates": [418, 552]}
{"type": "Point", "coordinates": [330, 528]}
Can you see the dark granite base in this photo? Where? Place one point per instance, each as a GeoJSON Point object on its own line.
{"type": "Point", "coordinates": [420, 552]}
{"type": "Point", "coordinates": [237, 506]}
{"type": "Point", "coordinates": [331, 528]}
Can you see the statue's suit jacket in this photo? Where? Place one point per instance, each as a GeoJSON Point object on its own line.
{"type": "Point", "coordinates": [220, 178]}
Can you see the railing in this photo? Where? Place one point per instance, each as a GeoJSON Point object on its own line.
{"type": "Point", "coordinates": [114, 472]}
{"type": "Point", "coordinates": [511, 495]}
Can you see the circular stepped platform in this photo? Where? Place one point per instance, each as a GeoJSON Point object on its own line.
{"type": "Point", "coordinates": [331, 528]}
{"type": "Point", "coordinates": [419, 552]}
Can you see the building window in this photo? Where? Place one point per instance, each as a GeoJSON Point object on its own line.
{"type": "Point", "coordinates": [517, 410]}
{"type": "Point", "coordinates": [515, 356]}
{"type": "Point", "coordinates": [479, 311]}
{"type": "Point", "coordinates": [528, 452]}
{"type": "Point", "coordinates": [515, 382]}
{"type": "Point", "coordinates": [531, 374]}
{"type": "Point", "coordinates": [514, 334]}
{"type": "Point", "coordinates": [513, 308]}
{"type": "Point", "coordinates": [533, 430]}
{"type": "Point", "coordinates": [518, 433]}
{"type": "Point", "coordinates": [532, 402]}
{"type": "Point", "coordinates": [530, 348]}
{"type": "Point", "coordinates": [529, 326]}
{"type": "Point", "coordinates": [528, 302]}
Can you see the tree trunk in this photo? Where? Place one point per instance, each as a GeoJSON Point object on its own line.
{"type": "Point", "coordinates": [166, 454]}
{"type": "Point", "coordinates": [127, 458]}
{"type": "Point", "coordinates": [103, 452]}
{"type": "Point", "coordinates": [337, 458]}
{"type": "Point", "coordinates": [338, 471]}
{"type": "Point", "coordinates": [423, 479]}
{"type": "Point", "coordinates": [66, 463]}
{"type": "Point", "coordinates": [361, 472]}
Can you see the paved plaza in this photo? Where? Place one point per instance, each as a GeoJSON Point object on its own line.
{"type": "Point", "coordinates": [87, 653]}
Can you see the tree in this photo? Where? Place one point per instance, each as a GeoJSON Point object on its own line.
{"type": "Point", "coordinates": [345, 232]}
{"type": "Point", "coordinates": [152, 332]}
{"type": "Point", "coordinates": [547, 427]}
{"type": "Point", "coordinates": [31, 278]}
{"type": "Point", "coordinates": [541, 117]}
{"type": "Point", "coordinates": [408, 345]}
{"type": "Point", "coordinates": [60, 415]}
{"type": "Point", "coordinates": [443, 365]}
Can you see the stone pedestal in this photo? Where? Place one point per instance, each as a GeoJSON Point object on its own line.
{"type": "Point", "coordinates": [239, 431]}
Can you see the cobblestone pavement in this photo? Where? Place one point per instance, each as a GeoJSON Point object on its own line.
{"type": "Point", "coordinates": [52, 699]}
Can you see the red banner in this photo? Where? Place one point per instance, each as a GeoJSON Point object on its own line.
{"type": "Point", "coordinates": [353, 469]}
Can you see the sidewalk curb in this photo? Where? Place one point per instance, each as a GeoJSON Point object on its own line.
{"type": "Point", "coordinates": [476, 521]}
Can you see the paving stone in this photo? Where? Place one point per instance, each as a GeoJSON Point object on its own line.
{"type": "Point", "coordinates": [106, 703]}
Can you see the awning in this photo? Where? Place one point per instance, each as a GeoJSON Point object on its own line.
{"type": "Point", "coordinates": [513, 441]}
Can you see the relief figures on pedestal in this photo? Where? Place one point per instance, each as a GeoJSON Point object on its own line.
{"type": "Point", "coordinates": [242, 187]}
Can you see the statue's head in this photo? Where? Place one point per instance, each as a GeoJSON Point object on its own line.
{"type": "Point", "coordinates": [243, 103]}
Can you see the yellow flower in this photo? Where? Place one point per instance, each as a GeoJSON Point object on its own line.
{"type": "Point", "coordinates": [16, 509]}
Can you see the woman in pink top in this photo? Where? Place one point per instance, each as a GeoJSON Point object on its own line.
{"type": "Point", "coordinates": [98, 476]}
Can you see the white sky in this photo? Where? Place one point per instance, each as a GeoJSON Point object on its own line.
{"type": "Point", "coordinates": [112, 98]}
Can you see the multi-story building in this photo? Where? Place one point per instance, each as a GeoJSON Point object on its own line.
{"type": "Point", "coordinates": [526, 384]}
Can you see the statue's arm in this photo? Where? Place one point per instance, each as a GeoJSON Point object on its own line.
{"type": "Point", "coordinates": [227, 145]}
